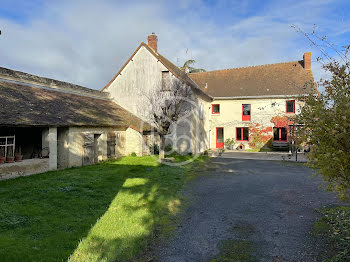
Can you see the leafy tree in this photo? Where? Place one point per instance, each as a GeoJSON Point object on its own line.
{"type": "Point", "coordinates": [325, 118]}
{"type": "Point", "coordinates": [187, 67]}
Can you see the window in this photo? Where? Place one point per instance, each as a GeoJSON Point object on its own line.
{"type": "Point", "coordinates": [242, 133]}
{"type": "Point", "coordinates": [246, 112]}
{"type": "Point", "coordinates": [290, 106]}
{"type": "Point", "coordinates": [165, 80]}
{"type": "Point", "coordinates": [215, 109]}
{"type": "Point", "coordinates": [279, 134]}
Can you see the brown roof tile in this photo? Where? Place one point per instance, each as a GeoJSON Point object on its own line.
{"type": "Point", "coordinates": [276, 79]}
{"type": "Point", "coordinates": [25, 105]}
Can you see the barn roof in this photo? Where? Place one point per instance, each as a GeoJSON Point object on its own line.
{"type": "Point", "coordinates": [23, 104]}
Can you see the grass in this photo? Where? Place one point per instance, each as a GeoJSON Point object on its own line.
{"type": "Point", "coordinates": [235, 250]}
{"type": "Point", "coordinates": [111, 211]}
{"type": "Point", "coordinates": [334, 226]}
{"type": "Point", "coordinates": [259, 150]}
{"type": "Point", "coordinates": [238, 249]}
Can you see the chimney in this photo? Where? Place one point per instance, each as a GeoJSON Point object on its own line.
{"type": "Point", "coordinates": [307, 61]}
{"type": "Point", "coordinates": [153, 41]}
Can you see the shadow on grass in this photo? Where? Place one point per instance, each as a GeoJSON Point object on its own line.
{"type": "Point", "coordinates": [106, 212]}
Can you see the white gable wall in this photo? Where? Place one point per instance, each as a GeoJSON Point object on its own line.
{"type": "Point", "coordinates": [143, 73]}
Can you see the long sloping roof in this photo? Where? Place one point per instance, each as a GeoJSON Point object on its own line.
{"type": "Point", "coordinates": [275, 79]}
{"type": "Point", "coordinates": [18, 76]}
{"type": "Point", "coordinates": [26, 105]}
{"type": "Point", "coordinates": [169, 65]}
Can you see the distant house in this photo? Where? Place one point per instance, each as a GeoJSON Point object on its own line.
{"type": "Point", "coordinates": [251, 106]}
{"type": "Point", "coordinates": [58, 125]}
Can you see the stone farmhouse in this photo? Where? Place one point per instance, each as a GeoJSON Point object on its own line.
{"type": "Point", "coordinates": [51, 124]}
{"type": "Point", "coordinates": [250, 106]}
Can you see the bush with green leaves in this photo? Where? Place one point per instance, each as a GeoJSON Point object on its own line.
{"type": "Point", "coordinates": [325, 121]}
{"type": "Point", "coordinates": [335, 227]}
{"type": "Point", "coordinates": [325, 118]}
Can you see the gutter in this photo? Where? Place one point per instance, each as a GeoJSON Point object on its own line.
{"type": "Point", "coordinates": [257, 97]}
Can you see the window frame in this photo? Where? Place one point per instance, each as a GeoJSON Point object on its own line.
{"type": "Point", "coordinates": [287, 106]}
{"type": "Point", "coordinates": [246, 117]}
{"type": "Point", "coordinates": [242, 132]}
{"type": "Point", "coordinates": [279, 134]}
{"type": "Point", "coordinates": [212, 109]}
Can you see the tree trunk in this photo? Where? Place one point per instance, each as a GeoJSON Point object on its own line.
{"type": "Point", "coordinates": [161, 147]}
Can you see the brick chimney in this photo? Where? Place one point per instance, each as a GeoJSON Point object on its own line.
{"type": "Point", "coordinates": [153, 41]}
{"type": "Point", "coordinates": [307, 61]}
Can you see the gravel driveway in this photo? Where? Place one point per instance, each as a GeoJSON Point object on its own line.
{"type": "Point", "coordinates": [268, 203]}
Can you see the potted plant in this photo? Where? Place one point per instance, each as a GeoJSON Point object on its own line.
{"type": "Point", "coordinates": [229, 143]}
{"type": "Point", "coordinates": [10, 158]}
{"type": "Point", "coordinates": [19, 156]}
{"type": "Point", "coordinates": [2, 155]}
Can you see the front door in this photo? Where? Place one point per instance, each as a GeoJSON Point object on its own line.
{"type": "Point", "coordinates": [219, 137]}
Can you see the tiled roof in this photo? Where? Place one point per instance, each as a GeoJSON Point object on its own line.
{"type": "Point", "coordinates": [25, 105]}
{"type": "Point", "coordinates": [275, 79]}
{"type": "Point", "coordinates": [23, 77]}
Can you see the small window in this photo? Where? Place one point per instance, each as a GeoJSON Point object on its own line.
{"type": "Point", "coordinates": [290, 106]}
{"type": "Point", "coordinates": [246, 112]}
{"type": "Point", "coordinates": [215, 109]}
{"type": "Point", "coordinates": [242, 133]}
{"type": "Point", "coordinates": [165, 81]}
{"type": "Point", "coordinates": [280, 134]}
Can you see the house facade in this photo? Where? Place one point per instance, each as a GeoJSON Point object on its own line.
{"type": "Point", "coordinates": [147, 70]}
{"type": "Point", "coordinates": [254, 107]}
{"type": "Point", "coordinates": [250, 107]}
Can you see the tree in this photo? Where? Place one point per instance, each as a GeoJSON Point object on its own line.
{"type": "Point", "coordinates": [168, 103]}
{"type": "Point", "coordinates": [325, 118]}
{"type": "Point", "coordinates": [189, 69]}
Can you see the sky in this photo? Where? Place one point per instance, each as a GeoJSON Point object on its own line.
{"type": "Point", "coordinates": [87, 42]}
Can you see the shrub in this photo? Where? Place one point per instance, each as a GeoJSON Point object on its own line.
{"type": "Point", "coordinates": [154, 149]}
{"type": "Point", "coordinates": [133, 154]}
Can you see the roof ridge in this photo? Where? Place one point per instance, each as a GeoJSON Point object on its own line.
{"type": "Point", "coordinates": [244, 67]}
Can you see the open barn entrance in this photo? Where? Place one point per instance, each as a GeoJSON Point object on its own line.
{"type": "Point", "coordinates": [22, 142]}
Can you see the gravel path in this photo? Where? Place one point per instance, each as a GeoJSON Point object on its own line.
{"type": "Point", "coordinates": [275, 202]}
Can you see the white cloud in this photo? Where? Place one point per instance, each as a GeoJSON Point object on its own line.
{"type": "Point", "coordinates": [86, 42]}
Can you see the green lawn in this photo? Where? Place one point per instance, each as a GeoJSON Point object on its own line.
{"type": "Point", "coordinates": [107, 212]}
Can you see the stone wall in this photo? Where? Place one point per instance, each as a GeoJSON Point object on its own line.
{"type": "Point", "coordinates": [133, 142]}
{"type": "Point", "coordinates": [24, 168]}
{"type": "Point", "coordinates": [76, 143]}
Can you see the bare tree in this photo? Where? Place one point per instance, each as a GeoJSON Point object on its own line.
{"type": "Point", "coordinates": [168, 102]}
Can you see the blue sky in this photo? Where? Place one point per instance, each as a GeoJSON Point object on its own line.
{"type": "Point", "coordinates": [86, 42]}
